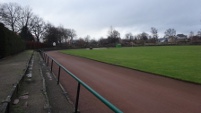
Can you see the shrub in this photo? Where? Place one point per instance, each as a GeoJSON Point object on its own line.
{"type": "Point", "coordinates": [10, 42]}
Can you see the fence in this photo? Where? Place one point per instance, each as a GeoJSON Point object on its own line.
{"type": "Point", "coordinates": [48, 59]}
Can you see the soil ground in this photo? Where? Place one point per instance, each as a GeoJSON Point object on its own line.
{"type": "Point", "coordinates": [130, 90]}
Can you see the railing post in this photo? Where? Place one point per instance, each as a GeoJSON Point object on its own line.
{"type": "Point", "coordinates": [58, 75]}
{"type": "Point", "coordinates": [47, 61]}
{"type": "Point", "coordinates": [77, 98]}
{"type": "Point", "coordinates": [51, 65]}
{"type": "Point", "coordinates": [42, 54]}
{"type": "Point", "coordinates": [17, 89]}
{"type": "Point", "coordinates": [45, 57]}
{"type": "Point", "coordinates": [8, 107]}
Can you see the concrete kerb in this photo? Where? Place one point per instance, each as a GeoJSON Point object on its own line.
{"type": "Point", "coordinates": [47, 105]}
{"type": "Point", "coordinates": [60, 85]}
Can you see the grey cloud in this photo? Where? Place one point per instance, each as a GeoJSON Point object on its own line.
{"type": "Point", "coordinates": [89, 16]}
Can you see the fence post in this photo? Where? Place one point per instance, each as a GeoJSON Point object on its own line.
{"type": "Point", "coordinates": [42, 54]}
{"type": "Point", "coordinates": [17, 89]}
{"type": "Point", "coordinates": [8, 108]}
{"type": "Point", "coordinates": [51, 65]}
{"type": "Point", "coordinates": [45, 57]}
{"type": "Point", "coordinates": [77, 98]}
{"type": "Point", "coordinates": [58, 75]}
{"type": "Point", "coordinates": [47, 61]}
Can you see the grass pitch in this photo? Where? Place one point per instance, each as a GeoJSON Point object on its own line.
{"type": "Point", "coordinates": [180, 62]}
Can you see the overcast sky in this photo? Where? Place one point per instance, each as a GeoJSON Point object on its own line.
{"type": "Point", "coordinates": [94, 17]}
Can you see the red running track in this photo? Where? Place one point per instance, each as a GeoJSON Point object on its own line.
{"type": "Point", "coordinates": [130, 90]}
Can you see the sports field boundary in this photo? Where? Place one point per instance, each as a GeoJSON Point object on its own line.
{"type": "Point", "coordinates": [186, 81]}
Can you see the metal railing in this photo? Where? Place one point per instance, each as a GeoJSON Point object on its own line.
{"type": "Point", "coordinates": [79, 83]}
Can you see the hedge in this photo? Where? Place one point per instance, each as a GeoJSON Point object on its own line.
{"type": "Point", "coordinates": [10, 42]}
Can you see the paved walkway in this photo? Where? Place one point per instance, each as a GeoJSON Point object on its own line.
{"type": "Point", "coordinates": [11, 70]}
{"type": "Point", "coordinates": [37, 94]}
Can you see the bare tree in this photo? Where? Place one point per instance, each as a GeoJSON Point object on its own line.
{"type": "Point", "coordinates": [110, 32]}
{"type": "Point", "coordinates": [116, 34]}
{"type": "Point", "coordinates": [72, 34]}
{"type": "Point", "coordinates": [93, 43]}
{"type": "Point", "coordinates": [26, 18]}
{"type": "Point", "coordinates": [87, 40]}
{"type": "Point", "coordinates": [15, 17]}
{"type": "Point", "coordinates": [37, 27]}
{"type": "Point", "coordinates": [57, 34]}
{"type": "Point", "coordinates": [51, 34]}
{"type": "Point", "coordinates": [191, 34]}
{"type": "Point", "coordinates": [129, 36]}
{"type": "Point", "coordinates": [154, 32]}
{"type": "Point", "coordinates": [63, 34]}
{"type": "Point", "coordinates": [144, 37]}
{"type": "Point", "coordinates": [10, 14]}
{"type": "Point", "coordinates": [113, 35]}
{"type": "Point", "coordinates": [80, 42]}
{"type": "Point", "coordinates": [170, 32]}
{"type": "Point", "coordinates": [103, 41]}
{"type": "Point", "coordinates": [199, 33]}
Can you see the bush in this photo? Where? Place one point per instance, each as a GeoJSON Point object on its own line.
{"type": "Point", "coordinates": [10, 42]}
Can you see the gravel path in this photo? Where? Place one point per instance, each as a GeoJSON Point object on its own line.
{"type": "Point", "coordinates": [131, 91]}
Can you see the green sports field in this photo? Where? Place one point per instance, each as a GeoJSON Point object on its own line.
{"type": "Point", "coordinates": [181, 62]}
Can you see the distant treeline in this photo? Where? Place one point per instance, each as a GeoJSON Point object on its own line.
{"type": "Point", "coordinates": [10, 42]}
